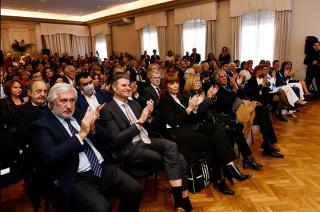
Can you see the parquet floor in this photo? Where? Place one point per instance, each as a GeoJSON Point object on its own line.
{"type": "Point", "coordinates": [289, 184]}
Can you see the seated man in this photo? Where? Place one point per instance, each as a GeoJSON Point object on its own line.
{"type": "Point", "coordinates": [132, 146]}
{"type": "Point", "coordinates": [73, 152]}
{"type": "Point", "coordinates": [87, 94]}
{"type": "Point", "coordinates": [228, 102]}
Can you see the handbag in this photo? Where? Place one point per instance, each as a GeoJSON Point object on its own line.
{"type": "Point", "coordinates": [198, 176]}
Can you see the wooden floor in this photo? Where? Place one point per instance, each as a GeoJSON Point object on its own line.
{"type": "Point", "coordinates": [289, 184]}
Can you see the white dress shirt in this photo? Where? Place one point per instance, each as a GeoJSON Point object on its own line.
{"type": "Point", "coordinates": [84, 164]}
{"type": "Point", "coordinates": [92, 101]}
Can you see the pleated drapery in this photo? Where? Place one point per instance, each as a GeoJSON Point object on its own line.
{"type": "Point", "coordinates": [236, 23]}
{"type": "Point", "coordinates": [161, 33]}
{"type": "Point", "coordinates": [178, 38]}
{"type": "Point", "coordinates": [282, 31]}
{"type": "Point", "coordinates": [210, 37]}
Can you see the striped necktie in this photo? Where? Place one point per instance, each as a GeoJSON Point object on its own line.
{"type": "Point", "coordinates": [132, 119]}
{"type": "Point", "coordinates": [95, 166]}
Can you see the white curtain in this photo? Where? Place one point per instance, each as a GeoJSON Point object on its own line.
{"type": "Point", "coordinates": [236, 25]}
{"type": "Point", "coordinates": [210, 37]}
{"type": "Point", "coordinates": [150, 39]}
{"type": "Point", "coordinates": [282, 31]}
{"type": "Point", "coordinates": [101, 46]}
{"type": "Point", "coordinates": [79, 45]}
{"type": "Point", "coordinates": [194, 36]}
{"type": "Point", "coordinates": [140, 37]}
{"type": "Point", "coordinates": [257, 36]}
{"type": "Point", "coordinates": [109, 44]}
{"type": "Point", "coordinates": [178, 38]}
{"type": "Point", "coordinates": [58, 43]}
{"type": "Point", "coordinates": [161, 33]}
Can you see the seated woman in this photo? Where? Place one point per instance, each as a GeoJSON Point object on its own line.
{"type": "Point", "coordinates": [180, 118]}
{"type": "Point", "coordinates": [258, 89]}
{"type": "Point", "coordinates": [292, 74]}
{"type": "Point", "coordinates": [193, 86]}
{"type": "Point", "coordinates": [283, 78]}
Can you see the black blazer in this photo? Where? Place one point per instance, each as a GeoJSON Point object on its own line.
{"type": "Point", "coordinates": [195, 58]}
{"type": "Point", "coordinates": [82, 103]}
{"type": "Point", "coordinates": [256, 92]}
{"type": "Point", "coordinates": [154, 57]}
{"type": "Point", "coordinates": [122, 132]}
{"type": "Point", "coordinates": [150, 93]}
{"type": "Point", "coordinates": [60, 152]}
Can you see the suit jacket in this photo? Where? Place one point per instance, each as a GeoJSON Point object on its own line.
{"type": "Point", "coordinates": [154, 57]}
{"type": "Point", "coordinates": [82, 103]}
{"type": "Point", "coordinates": [60, 152]}
{"type": "Point", "coordinates": [146, 59]}
{"type": "Point", "coordinates": [122, 132]}
{"type": "Point", "coordinates": [195, 58]}
{"type": "Point", "coordinates": [256, 92]}
{"type": "Point", "coordinates": [150, 93]}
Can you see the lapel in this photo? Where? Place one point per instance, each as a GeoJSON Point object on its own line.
{"type": "Point", "coordinates": [83, 100]}
{"type": "Point", "coordinates": [57, 125]}
{"type": "Point", "coordinates": [133, 108]}
{"type": "Point", "coordinates": [118, 111]}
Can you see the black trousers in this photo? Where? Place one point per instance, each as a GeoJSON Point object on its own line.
{"type": "Point", "coordinates": [263, 120]}
{"type": "Point", "coordinates": [160, 153]}
{"type": "Point", "coordinates": [238, 138]}
{"type": "Point", "coordinates": [313, 72]}
{"type": "Point", "coordinates": [90, 193]}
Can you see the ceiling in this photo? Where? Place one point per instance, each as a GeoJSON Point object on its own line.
{"type": "Point", "coordinates": [72, 11]}
{"type": "Point", "coordinates": [65, 7]}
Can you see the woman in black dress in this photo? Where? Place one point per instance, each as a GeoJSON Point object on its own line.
{"type": "Point", "coordinates": [180, 120]}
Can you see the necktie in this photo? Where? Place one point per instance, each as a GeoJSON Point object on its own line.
{"type": "Point", "coordinates": [95, 166]}
{"type": "Point", "coordinates": [158, 91]}
{"type": "Point", "coordinates": [132, 119]}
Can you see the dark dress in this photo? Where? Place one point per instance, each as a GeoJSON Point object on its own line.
{"type": "Point", "coordinates": [193, 142]}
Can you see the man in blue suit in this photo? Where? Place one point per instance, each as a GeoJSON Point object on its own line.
{"type": "Point", "coordinates": [74, 153]}
{"type": "Point", "coordinates": [87, 94]}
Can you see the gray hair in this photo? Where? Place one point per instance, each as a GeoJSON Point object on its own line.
{"type": "Point", "coordinates": [216, 74]}
{"type": "Point", "coordinates": [57, 89]}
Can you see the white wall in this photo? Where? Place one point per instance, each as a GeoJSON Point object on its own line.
{"type": "Point", "coordinates": [305, 20]}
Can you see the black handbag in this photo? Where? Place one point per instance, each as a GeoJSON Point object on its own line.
{"type": "Point", "coordinates": [198, 176]}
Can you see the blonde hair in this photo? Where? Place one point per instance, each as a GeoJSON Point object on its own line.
{"type": "Point", "coordinates": [190, 82]}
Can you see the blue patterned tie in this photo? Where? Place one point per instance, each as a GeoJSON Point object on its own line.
{"type": "Point", "coordinates": [96, 168]}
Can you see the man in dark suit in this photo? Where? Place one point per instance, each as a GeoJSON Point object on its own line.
{"type": "Point", "coordinates": [195, 57]}
{"type": "Point", "coordinates": [87, 94]}
{"type": "Point", "coordinates": [131, 144]}
{"type": "Point", "coordinates": [145, 57]}
{"type": "Point", "coordinates": [187, 56]}
{"type": "Point", "coordinates": [154, 57]}
{"type": "Point", "coordinates": [75, 155]}
{"type": "Point", "coordinates": [229, 102]}
{"type": "Point", "coordinates": [153, 90]}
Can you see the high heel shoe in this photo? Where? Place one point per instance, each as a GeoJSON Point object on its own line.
{"type": "Point", "coordinates": [223, 188]}
{"type": "Point", "coordinates": [233, 172]}
{"type": "Point", "coordinates": [249, 161]}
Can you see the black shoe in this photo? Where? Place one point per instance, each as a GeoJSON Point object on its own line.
{"type": "Point", "coordinates": [223, 188]}
{"type": "Point", "coordinates": [233, 172]}
{"type": "Point", "coordinates": [250, 162]}
{"type": "Point", "coordinates": [281, 118]}
{"type": "Point", "coordinates": [273, 154]}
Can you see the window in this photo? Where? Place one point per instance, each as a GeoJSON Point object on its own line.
{"type": "Point", "coordinates": [101, 46]}
{"type": "Point", "coordinates": [194, 36]}
{"type": "Point", "coordinates": [257, 36]}
{"type": "Point", "coordinates": [150, 39]}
